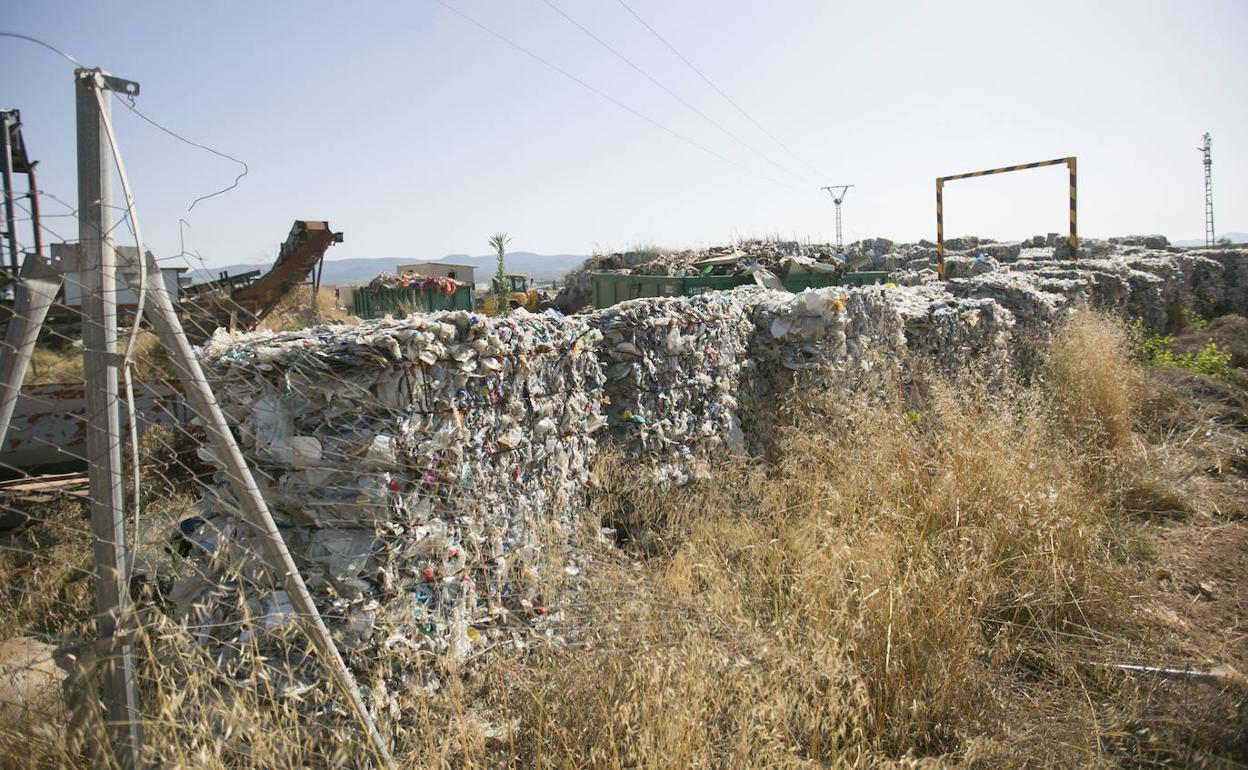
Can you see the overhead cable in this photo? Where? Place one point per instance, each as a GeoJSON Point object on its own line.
{"type": "Point", "coordinates": [37, 41]}
{"type": "Point", "coordinates": [720, 91]}
{"type": "Point", "coordinates": [667, 90]}
{"type": "Point", "coordinates": [129, 104]}
{"type": "Point", "coordinates": [612, 99]}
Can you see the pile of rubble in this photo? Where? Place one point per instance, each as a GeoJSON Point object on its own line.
{"type": "Point", "coordinates": [418, 469]}
{"type": "Point", "coordinates": [430, 473]}
{"type": "Point", "coordinates": [410, 280]}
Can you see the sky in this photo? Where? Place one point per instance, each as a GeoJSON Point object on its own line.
{"type": "Point", "coordinates": [418, 134]}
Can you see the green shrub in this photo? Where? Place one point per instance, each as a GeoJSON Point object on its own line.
{"type": "Point", "coordinates": [1191, 320]}
{"type": "Point", "coordinates": [1212, 360]}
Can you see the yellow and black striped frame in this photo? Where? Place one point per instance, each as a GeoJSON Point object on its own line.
{"type": "Point", "coordinates": [1072, 239]}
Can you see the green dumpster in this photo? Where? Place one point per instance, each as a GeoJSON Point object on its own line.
{"type": "Point", "coordinates": [611, 288]}
{"type": "Point", "coordinates": [375, 303]}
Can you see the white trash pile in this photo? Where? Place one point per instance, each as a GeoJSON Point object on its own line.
{"type": "Point", "coordinates": [425, 471]}
{"type": "Point", "coordinates": [851, 338]}
{"type": "Point", "coordinates": [672, 367]}
{"type": "Point", "coordinates": [416, 468]}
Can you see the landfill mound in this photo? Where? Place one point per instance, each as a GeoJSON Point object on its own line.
{"type": "Point", "coordinates": [419, 463]}
{"type": "Point", "coordinates": [431, 473]}
{"type": "Point", "coordinates": [672, 370]}
{"type": "Point", "coordinates": [910, 263]}
{"type": "Point", "coordinates": [756, 257]}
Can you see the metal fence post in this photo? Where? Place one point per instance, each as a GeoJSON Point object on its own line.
{"type": "Point", "coordinates": [99, 337]}
{"type": "Point", "coordinates": [36, 288]}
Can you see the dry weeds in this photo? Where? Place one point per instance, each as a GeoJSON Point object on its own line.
{"type": "Point", "coordinates": [302, 308]}
{"type": "Point", "coordinates": [898, 585]}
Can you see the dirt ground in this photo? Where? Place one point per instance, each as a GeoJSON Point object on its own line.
{"type": "Point", "coordinates": [1192, 596]}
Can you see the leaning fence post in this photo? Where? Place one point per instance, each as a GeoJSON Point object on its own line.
{"type": "Point", "coordinates": [104, 469]}
{"type": "Point", "coordinates": [163, 316]}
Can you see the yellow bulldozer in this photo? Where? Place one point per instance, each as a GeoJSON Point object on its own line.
{"type": "Point", "coordinates": [520, 293]}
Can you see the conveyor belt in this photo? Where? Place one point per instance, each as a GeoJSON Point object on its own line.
{"type": "Point", "coordinates": [303, 250]}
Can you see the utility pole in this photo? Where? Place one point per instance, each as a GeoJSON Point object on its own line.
{"type": "Point", "coordinates": [6, 170]}
{"type": "Point", "coordinates": [1207, 150]}
{"type": "Point", "coordinates": [838, 194]}
{"type": "Point", "coordinates": [97, 271]}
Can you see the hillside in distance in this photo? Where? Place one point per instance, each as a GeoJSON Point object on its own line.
{"type": "Point", "coordinates": [1233, 237]}
{"type": "Point", "coordinates": [361, 270]}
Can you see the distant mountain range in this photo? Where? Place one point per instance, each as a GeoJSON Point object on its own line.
{"type": "Point", "coordinates": [1235, 238]}
{"type": "Point", "coordinates": [360, 270]}
{"type": "Point", "coordinates": [542, 267]}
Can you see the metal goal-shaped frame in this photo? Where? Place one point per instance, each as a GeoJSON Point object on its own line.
{"type": "Point", "coordinates": [1072, 239]}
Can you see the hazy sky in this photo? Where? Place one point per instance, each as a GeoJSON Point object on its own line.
{"type": "Point", "coordinates": [419, 134]}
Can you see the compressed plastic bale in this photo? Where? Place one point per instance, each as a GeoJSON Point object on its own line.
{"type": "Point", "coordinates": [672, 368]}
{"type": "Point", "coordinates": [457, 444]}
{"type": "Point", "coordinates": [393, 476]}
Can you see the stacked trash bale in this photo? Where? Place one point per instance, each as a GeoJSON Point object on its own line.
{"type": "Point", "coordinates": [416, 467]}
{"type": "Point", "coordinates": [1234, 262]}
{"type": "Point", "coordinates": [956, 335]}
{"type": "Point", "coordinates": [672, 367]}
{"type": "Point", "coordinates": [421, 468]}
{"type": "Point", "coordinates": [1148, 284]}
{"type": "Point", "coordinates": [850, 339]}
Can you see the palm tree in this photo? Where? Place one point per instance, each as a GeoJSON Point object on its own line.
{"type": "Point", "coordinates": [499, 241]}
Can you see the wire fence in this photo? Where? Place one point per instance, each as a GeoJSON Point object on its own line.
{"type": "Point", "coordinates": [266, 547]}
{"type": "Point", "coordinates": [175, 558]}
{"type": "Point", "coordinates": [381, 494]}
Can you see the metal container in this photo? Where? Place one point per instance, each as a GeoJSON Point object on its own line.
{"type": "Point", "coordinates": [369, 303]}
{"type": "Point", "coordinates": [611, 288]}
{"type": "Point", "coordinates": [49, 422]}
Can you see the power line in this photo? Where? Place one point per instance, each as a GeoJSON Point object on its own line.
{"type": "Point", "coordinates": [720, 91]}
{"type": "Point", "coordinates": [610, 98]}
{"type": "Point", "coordinates": [129, 104]}
{"type": "Point", "coordinates": [37, 41]}
{"type": "Point", "coordinates": [667, 90]}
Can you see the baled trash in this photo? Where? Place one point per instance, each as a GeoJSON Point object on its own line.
{"type": "Point", "coordinates": [430, 474]}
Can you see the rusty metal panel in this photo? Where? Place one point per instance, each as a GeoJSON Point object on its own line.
{"type": "Point", "coordinates": [303, 249]}
{"type": "Point", "coordinates": [49, 421]}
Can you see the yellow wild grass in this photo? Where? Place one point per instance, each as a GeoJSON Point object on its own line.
{"type": "Point", "coordinates": [882, 589]}
{"type": "Point", "coordinates": [847, 603]}
{"type": "Point", "coordinates": [1093, 381]}
{"type": "Point", "coordinates": [302, 307]}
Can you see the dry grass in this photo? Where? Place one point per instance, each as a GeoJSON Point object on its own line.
{"type": "Point", "coordinates": [62, 363]}
{"type": "Point", "coordinates": [1093, 381]}
{"type": "Point", "coordinates": [883, 592]}
{"type": "Point", "coordinates": [862, 595]}
{"type": "Point", "coordinates": [302, 308]}
{"type": "Point", "coordinates": [54, 365]}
